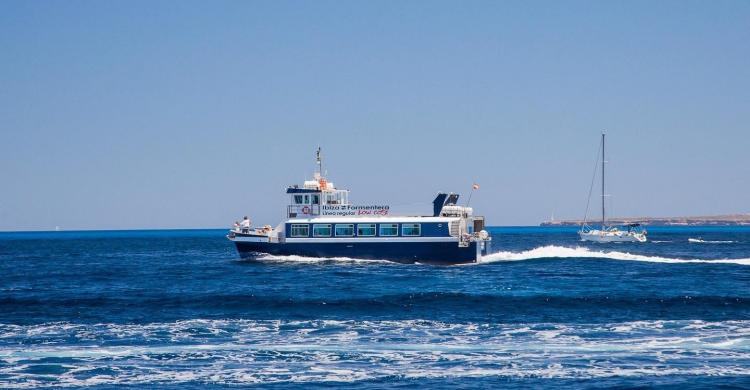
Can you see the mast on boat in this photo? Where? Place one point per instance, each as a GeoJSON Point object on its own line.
{"type": "Point", "coordinates": [603, 216]}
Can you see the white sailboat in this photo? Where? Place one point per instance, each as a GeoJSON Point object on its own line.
{"type": "Point", "coordinates": [629, 233]}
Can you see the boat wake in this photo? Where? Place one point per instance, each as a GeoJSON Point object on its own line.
{"type": "Point", "coordinates": [544, 252]}
{"type": "Point", "coordinates": [267, 258]}
{"type": "Point", "coordinates": [558, 252]}
{"type": "Point", "coordinates": [702, 241]}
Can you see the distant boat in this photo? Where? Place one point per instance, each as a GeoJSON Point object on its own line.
{"type": "Point", "coordinates": [628, 233]}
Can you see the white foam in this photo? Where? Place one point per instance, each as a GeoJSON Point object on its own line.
{"type": "Point", "coordinates": [553, 251]}
{"type": "Point", "coordinates": [318, 351]}
{"type": "Point", "coordinates": [702, 241]}
{"type": "Point", "coordinates": [316, 260]}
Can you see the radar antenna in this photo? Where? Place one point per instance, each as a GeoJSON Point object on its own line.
{"type": "Point", "coordinates": [319, 161]}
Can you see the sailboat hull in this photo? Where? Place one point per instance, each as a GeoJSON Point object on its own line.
{"type": "Point", "coordinates": [612, 236]}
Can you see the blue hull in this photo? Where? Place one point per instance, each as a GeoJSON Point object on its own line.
{"type": "Point", "coordinates": [444, 253]}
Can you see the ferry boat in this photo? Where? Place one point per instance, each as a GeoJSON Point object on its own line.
{"type": "Point", "coordinates": [322, 223]}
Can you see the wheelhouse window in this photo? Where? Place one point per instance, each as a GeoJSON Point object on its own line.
{"type": "Point", "coordinates": [336, 197]}
{"type": "Point", "coordinates": [300, 230]}
{"type": "Point", "coordinates": [322, 230]}
{"type": "Point", "coordinates": [345, 230]}
{"type": "Point", "coordinates": [411, 229]}
{"type": "Point", "coordinates": [366, 229]}
{"type": "Point", "coordinates": [298, 199]}
{"type": "Point", "coordinates": [389, 229]}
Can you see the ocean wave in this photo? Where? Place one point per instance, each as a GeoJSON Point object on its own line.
{"type": "Point", "coordinates": [432, 299]}
{"type": "Point", "coordinates": [320, 351]}
{"type": "Point", "coordinates": [503, 305]}
{"type": "Point", "coordinates": [553, 251]}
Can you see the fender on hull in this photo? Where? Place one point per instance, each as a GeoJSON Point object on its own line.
{"type": "Point", "coordinates": [442, 253]}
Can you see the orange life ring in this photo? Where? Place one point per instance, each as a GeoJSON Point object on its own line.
{"type": "Point", "coordinates": [306, 210]}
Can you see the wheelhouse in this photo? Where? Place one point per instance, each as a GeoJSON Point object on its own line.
{"type": "Point", "coordinates": [306, 201]}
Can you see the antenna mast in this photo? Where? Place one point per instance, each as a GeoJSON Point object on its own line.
{"type": "Point", "coordinates": [319, 161]}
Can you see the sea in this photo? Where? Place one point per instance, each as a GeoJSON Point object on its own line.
{"type": "Point", "coordinates": [178, 309]}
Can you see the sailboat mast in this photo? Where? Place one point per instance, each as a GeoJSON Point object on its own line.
{"type": "Point", "coordinates": [603, 216]}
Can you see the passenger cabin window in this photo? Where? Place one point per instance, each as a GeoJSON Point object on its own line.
{"type": "Point", "coordinates": [345, 230]}
{"type": "Point", "coordinates": [322, 230]}
{"type": "Point", "coordinates": [300, 230]}
{"type": "Point", "coordinates": [366, 229]}
{"type": "Point", "coordinates": [411, 229]}
{"type": "Point", "coordinates": [298, 199]}
{"type": "Point", "coordinates": [389, 229]}
{"type": "Point", "coordinates": [316, 199]}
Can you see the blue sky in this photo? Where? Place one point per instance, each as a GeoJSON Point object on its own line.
{"type": "Point", "coordinates": [136, 114]}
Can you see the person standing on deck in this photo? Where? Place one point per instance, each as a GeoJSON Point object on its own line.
{"type": "Point", "coordinates": [245, 225]}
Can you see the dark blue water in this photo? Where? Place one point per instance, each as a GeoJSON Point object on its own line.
{"type": "Point", "coordinates": [178, 309]}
